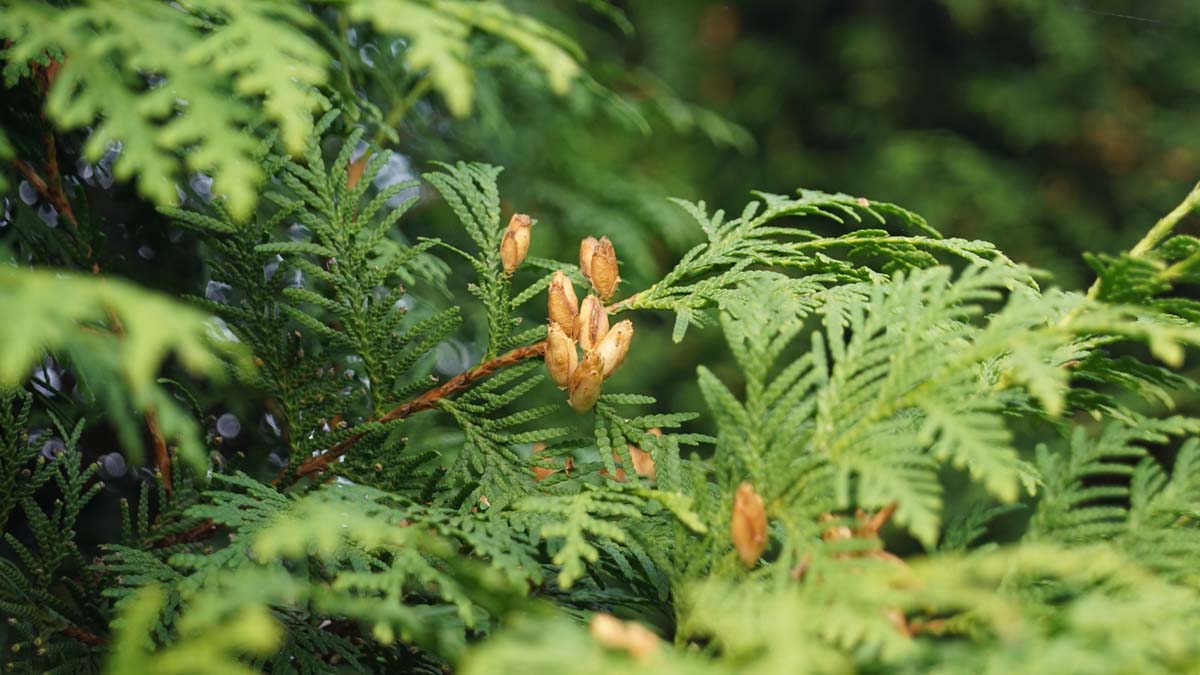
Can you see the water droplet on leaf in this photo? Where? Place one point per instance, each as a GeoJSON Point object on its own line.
{"type": "Point", "coordinates": [217, 291]}
{"type": "Point", "coordinates": [228, 425]}
{"type": "Point", "coordinates": [28, 194]}
{"type": "Point", "coordinates": [112, 466]}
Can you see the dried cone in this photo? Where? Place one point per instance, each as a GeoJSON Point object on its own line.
{"type": "Point", "coordinates": [586, 382]}
{"type": "Point", "coordinates": [515, 243]}
{"type": "Point", "coordinates": [563, 306]}
{"type": "Point", "coordinates": [749, 525]}
{"type": "Point", "coordinates": [614, 345]}
{"type": "Point", "coordinates": [587, 248]}
{"type": "Point", "coordinates": [603, 265]}
{"type": "Point", "coordinates": [591, 324]}
{"type": "Point", "coordinates": [561, 357]}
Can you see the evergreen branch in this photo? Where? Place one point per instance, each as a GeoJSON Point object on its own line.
{"type": "Point", "coordinates": [426, 401]}
{"type": "Point", "coordinates": [1156, 234]}
{"type": "Point", "coordinates": [1167, 223]}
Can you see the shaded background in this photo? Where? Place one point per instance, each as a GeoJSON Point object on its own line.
{"type": "Point", "coordinates": [1050, 127]}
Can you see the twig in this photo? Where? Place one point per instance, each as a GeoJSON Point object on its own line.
{"type": "Point", "coordinates": [50, 188]}
{"type": "Point", "coordinates": [872, 526]}
{"type": "Point", "coordinates": [197, 533]}
{"type": "Point", "coordinates": [51, 192]}
{"type": "Point", "coordinates": [425, 401]}
{"type": "Point", "coordinates": [622, 305]}
{"type": "Point", "coordinates": [1159, 232]}
{"type": "Point", "coordinates": [85, 636]}
{"type": "Point", "coordinates": [162, 458]}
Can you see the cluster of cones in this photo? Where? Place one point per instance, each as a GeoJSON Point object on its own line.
{"type": "Point", "coordinates": [576, 326]}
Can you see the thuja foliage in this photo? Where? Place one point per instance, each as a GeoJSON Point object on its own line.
{"type": "Point", "coordinates": [919, 456]}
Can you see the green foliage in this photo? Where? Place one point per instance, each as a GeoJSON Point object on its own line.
{"type": "Point", "coordinates": [39, 607]}
{"type": "Point", "coordinates": [229, 67]}
{"type": "Point", "coordinates": [710, 271]}
{"type": "Point", "coordinates": [117, 337]}
{"type": "Point", "coordinates": [213, 648]}
{"type": "Point", "coordinates": [960, 465]}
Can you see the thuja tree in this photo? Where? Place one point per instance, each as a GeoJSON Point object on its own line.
{"type": "Point", "coordinates": [919, 454]}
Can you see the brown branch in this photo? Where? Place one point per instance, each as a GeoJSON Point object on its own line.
{"type": "Point", "coordinates": [871, 527]}
{"type": "Point", "coordinates": [50, 188]}
{"type": "Point", "coordinates": [197, 533]}
{"type": "Point", "coordinates": [425, 401]}
{"type": "Point", "coordinates": [162, 458]}
{"type": "Point", "coordinates": [85, 636]}
{"type": "Point", "coordinates": [52, 191]}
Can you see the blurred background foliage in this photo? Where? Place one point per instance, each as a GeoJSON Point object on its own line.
{"type": "Point", "coordinates": [1048, 127]}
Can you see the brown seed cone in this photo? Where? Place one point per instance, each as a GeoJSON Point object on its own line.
{"type": "Point", "coordinates": [515, 244]}
{"type": "Point", "coordinates": [563, 306]}
{"type": "Point", "coordinates": [561, 357]}
{"type": "Point", "coordinates": [586, 383]}
{"type": "Point", "coordinates": [749, 524]}
{"type": "Point", "coordinates": [587, 248]}
{"type": "Point", "coordinates": [614, 345]}
{"type": "Point", "coordinates": [604, 275]}
{"type": "Point", "coordinates": [591, 324]}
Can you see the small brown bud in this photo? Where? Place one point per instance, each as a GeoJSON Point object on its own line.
{"type": "Point", "coordinates": [587, 248]}
{"type": "Point", "coordinates": [563, 306]}
{"type": "Point", "coordinates": [749, 524]}
{"type": "Point", "coordinates": [592, 323]}
{"type": "Point", "coordinates": [614, 345]}
{"type": "Point", "coordinates": [604, 275]}
{"type": "Point", "coordinates": [515, 243]}
{"type": "Point", "coordinates": [640, 642]}
{"type": "Point", "coordinates": [561, 357]}
{"type": "Point", "coordinates": [586, 382]}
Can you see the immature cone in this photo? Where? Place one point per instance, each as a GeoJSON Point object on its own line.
{"type": "Point", "coordinates": [586, 382]}
{"type": "Point", "coordinates": [591, 324]}
{"type": "Point", "coordinates": [749, 524]}
{"type": "Point", "coordinates": [603, 265]}
{"type": "Point", "coordinates": [515, 243]}
{"type": "Point", "coordinates": [614, 345]}
{"type": "Point", "coordinates": [561, 357]}
{"type": "Point", "coordinates": [640, 642]}
{"type": "Point", "coordinates": [563, 306]}
{"type": "Point", "coordinates": [587, 248]}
